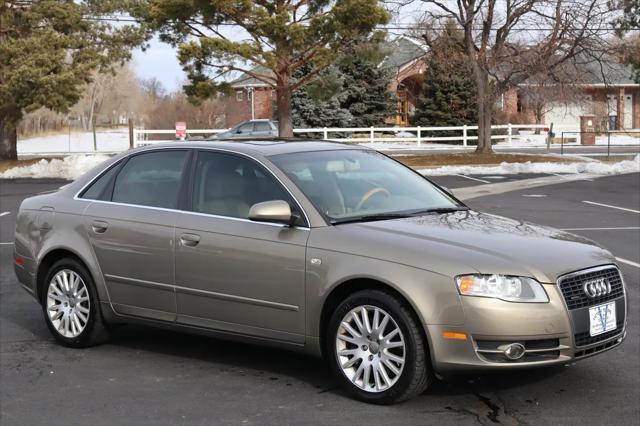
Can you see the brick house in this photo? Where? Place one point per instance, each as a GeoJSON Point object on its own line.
{"type": "Point", "coordinates": [249, 99]}
{"type": "Point", "coordinates": [252, 99]}
{"type": "Point", "coordinates": [606, 91]}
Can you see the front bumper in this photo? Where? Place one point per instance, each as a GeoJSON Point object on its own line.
{"type": "Point", "coordinates": [550, 333]}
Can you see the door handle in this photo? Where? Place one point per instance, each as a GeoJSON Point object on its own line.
{"type": "Point", "coordinates": [99, 226]}
{"type": "Point", "coordinates": [189, 240]}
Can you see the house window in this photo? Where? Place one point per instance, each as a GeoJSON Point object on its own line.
{"type": "Point", "coordinates": [239, 96]}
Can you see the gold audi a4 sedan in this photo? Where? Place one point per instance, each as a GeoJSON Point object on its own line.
{"type": "Point", "coordinates": [331, 249]}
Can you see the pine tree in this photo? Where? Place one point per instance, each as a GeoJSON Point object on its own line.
{"type": "Point", "coordinates": [319, 104]}
{"type": "Point", "coordinates": [367, 95]}
{"type": "Point", "coordinates": [352, 93]}
{"type": "Point", "coordinates": [281, 38]}
{"type": "Point", "coordinates": [448, 95]}
{"type": "Point", "coordinates": [48, 51]}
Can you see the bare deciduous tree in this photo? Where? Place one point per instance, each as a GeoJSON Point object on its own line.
{"type": "Point", "coordinates": [510, 41]}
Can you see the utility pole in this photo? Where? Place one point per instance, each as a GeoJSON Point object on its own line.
{"type": "Point", "coordinates": [250, 92]}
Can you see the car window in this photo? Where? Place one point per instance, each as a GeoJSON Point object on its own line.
{"type": "Point", "coordinates": [151, 179]}
{"type": "Point", "coordinates": [228, 185]}
{"type": "Point", "coordinates": [97, 189]}
{"type": "Point", "coordinates": [348, 184]}
{"type": "Point", "coordinates": [245, 128]}
{"type": "Point", "coordinates": [262, 126]}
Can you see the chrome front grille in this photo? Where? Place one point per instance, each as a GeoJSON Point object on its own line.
{"type": "Point", "coordinates": [572, 287]}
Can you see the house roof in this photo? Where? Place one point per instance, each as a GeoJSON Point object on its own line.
{"type": "Point", "coordinates": [245, 80]}
{"type": "Point", "coordinates": [403, 50]}
{"type": "Point", "coordinates": [606, 72]}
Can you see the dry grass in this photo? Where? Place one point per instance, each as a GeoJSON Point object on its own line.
{"type": "Point", "coordinates": [434, 160]}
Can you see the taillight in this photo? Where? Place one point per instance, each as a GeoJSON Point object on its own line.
{"type": "Point", "coordinates": [18, 260]}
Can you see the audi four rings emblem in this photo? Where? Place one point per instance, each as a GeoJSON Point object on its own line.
{"type": "Point", "coordinates": [597, 288]}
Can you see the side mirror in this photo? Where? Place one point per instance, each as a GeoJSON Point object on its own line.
{"type": "Point", "coordinates": [277, 211]}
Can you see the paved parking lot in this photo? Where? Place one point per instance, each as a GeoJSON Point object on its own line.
{"type": "Point", "coordinates": [149, 376]}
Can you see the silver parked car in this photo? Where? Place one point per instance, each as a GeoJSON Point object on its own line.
{"type": "Point", "coordinates": [320, 247]}
{"type": "Point", "coordinates": [251, 129]}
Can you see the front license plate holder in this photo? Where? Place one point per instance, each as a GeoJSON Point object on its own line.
{"type": "Point", "coordinates": [602, 318]}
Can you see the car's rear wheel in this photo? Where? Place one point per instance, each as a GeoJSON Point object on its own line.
{"type": "Point", "coordinates": [376, 348]}
{"type": "Point", "coordinates": [71, 307]}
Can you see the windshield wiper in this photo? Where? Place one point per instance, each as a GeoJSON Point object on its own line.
{"type": "Point", "coordinates": [371, 218]}
{"type": "Point", "coordinates": [440, 210]}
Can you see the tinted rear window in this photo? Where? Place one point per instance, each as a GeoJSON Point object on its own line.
{"type": "Point", "coordinates": [97, 189]}
{"type": "Point", "coordinates": [151, 179]}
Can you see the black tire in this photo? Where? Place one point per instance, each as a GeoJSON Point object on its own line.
{"type": "Point", "coordinates": [416, 375]}
{"type": "Point", "coordinates": [94, 331]}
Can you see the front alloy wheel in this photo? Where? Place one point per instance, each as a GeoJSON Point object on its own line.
{"type": "Point", "coordinates": [370, 348]}
{"type": "Point", "coordinates": [377, 349]}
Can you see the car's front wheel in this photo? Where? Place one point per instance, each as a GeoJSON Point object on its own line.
{"type": "Point", "coordinates": [376, 348]}
{"type": "Point", "coordinates": [71, 307]}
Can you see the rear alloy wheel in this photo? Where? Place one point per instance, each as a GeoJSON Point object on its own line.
{"type": "Point", "coordinates": [376, 348]}
{"type": "Point", "coordinates": [70, 305]}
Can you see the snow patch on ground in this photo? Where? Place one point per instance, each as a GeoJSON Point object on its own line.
{"type": "Point", "coordinates": [619, 139]}
{"type": "Point", "coordinates": [395, 146]}
{"type": "Point", "coordinates": [627, 166]}
{"type": "Point", "coordinates": [107, 141]}
{"type": "Point", "coordinates": [69, 168]}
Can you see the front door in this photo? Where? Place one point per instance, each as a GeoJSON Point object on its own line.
{"type": "Point", "coordinates": [233, 274]}
{"type": "Point", "coordinates": [131, 230]}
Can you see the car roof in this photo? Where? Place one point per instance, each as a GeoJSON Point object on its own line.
{"type": "Point", "coordinates": [264, 147]}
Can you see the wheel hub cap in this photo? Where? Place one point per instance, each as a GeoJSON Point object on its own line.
{"type": "Point", "coordinates": [68, 304]}
{"type": "Point", "coordinates": [370, 348]}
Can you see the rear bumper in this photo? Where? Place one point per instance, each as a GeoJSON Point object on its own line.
{"type": "Point", "coordinates": [24, 273]}
{"type": "Point", "coordinates": [547, 331]}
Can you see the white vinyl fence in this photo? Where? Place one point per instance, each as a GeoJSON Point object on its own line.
{"type": "Point", "coordinates": [417, 135]}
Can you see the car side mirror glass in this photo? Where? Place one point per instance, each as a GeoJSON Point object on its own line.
{"type": "Point", "coordinates": [276, 211]}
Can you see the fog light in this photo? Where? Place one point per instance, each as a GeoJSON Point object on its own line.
{"type": "Point", "coordinates": [513, 351]}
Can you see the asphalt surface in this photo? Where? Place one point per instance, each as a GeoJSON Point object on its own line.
{"type": "Point", "coordinates": [147, 376]}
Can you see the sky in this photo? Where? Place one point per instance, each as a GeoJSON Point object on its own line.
{"type": "Point", "coordinates": [159, 61]}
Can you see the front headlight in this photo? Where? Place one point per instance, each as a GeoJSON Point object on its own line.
{"type": "Point", "coordinates": [503, 287]}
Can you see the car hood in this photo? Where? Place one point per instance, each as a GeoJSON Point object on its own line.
{"type": "Point", "coordinates": [472, 242]}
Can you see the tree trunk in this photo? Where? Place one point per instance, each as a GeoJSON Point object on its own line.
{"type": "Point", "coordinates": [485, 112]}
{"type": "Point", "coordinates": [484, 126]}
{"type": "Point", "coordinates": [8, 140]}
{"type": "Point", "coordinates": [285, 121]}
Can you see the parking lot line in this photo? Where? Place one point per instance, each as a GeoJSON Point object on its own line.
{"type": "Point", "coordinates": [4, 213]}
{"type": "Point", "coordinates": [628, 262]}
{"type": "Point", "coordinates": [5, 244]}
{"type": "Point", "coordinates": [612, 207]}
{"type": "Point", "coordinates": [472, 178]}
{"type": "Point", "coordinates": [627, 228]}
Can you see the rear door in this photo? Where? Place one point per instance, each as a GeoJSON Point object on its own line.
{"type": "Point", "coordinates": [233, 274]}
{"type": "Point", "coordinates": [131, 229]}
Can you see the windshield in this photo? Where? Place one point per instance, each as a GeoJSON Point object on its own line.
{"type": "Point", "coordinates": [347, 185]}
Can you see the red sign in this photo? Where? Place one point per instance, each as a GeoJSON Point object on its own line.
{"type": "Point", "coordinates": [181, 130]}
